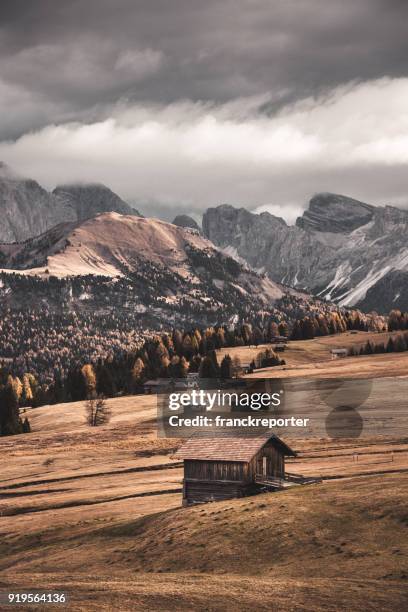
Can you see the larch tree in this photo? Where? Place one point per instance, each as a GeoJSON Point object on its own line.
{"type": "Point", "coordinates": [97, 411]}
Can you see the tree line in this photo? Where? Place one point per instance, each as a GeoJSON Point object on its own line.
{"type": "Point", "coordinates": [395, 344]}
{"type": "Point", "coordinates": [176, 354]}
{"type": "Point", "coordinates": [397, 320]}
{"type": "Point", "coordinates": [334, 323]}
{"type": "Point", "coordinates": [84, 363]}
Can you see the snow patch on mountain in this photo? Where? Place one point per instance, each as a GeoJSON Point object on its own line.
{"type": "Point", "coordinates": [340, 249]}
{"type": "Point", "coordinates": [376, 273]}
{"type": "Point", "coordinates": [359, 292]}
{"type": "Point", "coordinates": [341, 277]}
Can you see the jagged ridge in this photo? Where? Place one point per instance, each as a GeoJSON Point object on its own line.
{"type": "Point", "coordinates": [27, 209]}
{"type": "Point", "coordinates": [340, 249]}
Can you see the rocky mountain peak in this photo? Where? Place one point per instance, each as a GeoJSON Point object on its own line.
{"type": "Point", "coordinates": [341, 249]}
{"type": "Point", "coordinates": [331, 212]}
{"type": "Point", "coordinates": [229, 226]}
{"type": "Point", "coordinates": [87, 200]}
{"type": "Point", "coordinates": [186, 221]}
{"type": "Point", "coordinates": [28, 210]}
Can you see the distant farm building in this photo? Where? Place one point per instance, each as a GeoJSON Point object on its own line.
{"type": "Point", "coordinates": [226, 467]}
{"type": "Point", "coordinates": [280, 339]}
{"type": "Point", "coordinates": [280, 347]}
{"type": "Point", "coordinates": [245, 367]}
{"type": "Point", "coordinates": [163, 385]}
{"type": "Point", "coordinates": [193, 377]}
{"type": "Point", "coordinates": [159, 385]}
{"type": "Point", "coordinates": [339, 353]}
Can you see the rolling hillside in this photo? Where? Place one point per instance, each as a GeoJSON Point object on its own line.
{"type": "Point", "coordinates": [97, 513]}
{"type": "Point", "coordinates": [114, 261]}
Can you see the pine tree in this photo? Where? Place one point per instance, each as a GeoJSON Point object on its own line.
{"type": "Point", "coordinates": [177, 340]}
{"type": "Point", "coordinates": [195, 364]}
{"type": "Point", "coordinates": [379, 348]}
{"type": "Point", "coordinates": [257, 336]}
{"type": "Point", "coordinates": [307, 329]}
{"type": "Point", "coordinates": [184, 367]}
{"type": "Point", "coordinates": [297, 331]}
{"type": "Point", "coordinates": [208, 368]}
{"type": "Point", "coordinates": [57, 390]}
{"type": "Point", "coordinates": [283, 328]}
{"type": "Point", "coordinates": [75, 385]}
{"type": "Point", "coordinates": [390, 348]}
{"type": "Point", "coordinates": [188, 348]}
{"type": "Point", "coordinates": [400, 345]}
{"type": "Point", "coordinates": [247, 333]}
{"type": "Point", "coordinates": [273, 330]}
{"type": "Point", "coordinates": [26, 426]}
{"type": "Point", "coordinates": [368, 349]}
{"type": "Point", "coordinates": [324, 330]}
{"type": "Point", "coordinates": [105, 382]}
{"type": "Point", "coordinates": [213, 356]}
{"type": "Point", "coordinates": [332, 326]}
{"type": "Point", "coordinates": [236, 366]}
{"type": "Point", "coordinates": [10, 423]}
{"type": "Point", "coordinates": [226, 368]}
{"type": "Point", "coordinates": [97, 411]}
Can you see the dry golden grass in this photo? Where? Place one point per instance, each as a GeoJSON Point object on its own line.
{"type": "Point", "coordinates": [300, 352]}
{"type": "Point", "coordinates": [338, 545]}
{"type": "Point", "coordinates": [312, 358]}
{"type": "Point", "coordinates": [211, 593]}
{"type": "Point", "coordinates": [97, 512]}
{"type": "Point", "coordinates": [283, 533]}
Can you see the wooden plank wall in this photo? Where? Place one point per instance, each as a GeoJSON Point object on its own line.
{"type": "Point", "coordinates": [235, 470]}
{"type": "Point", "coordinates": [275, 464]}
{"type": "Point", "coordinates": [214, 470]}
{"type": "Point", "coordinates": [199, 491]}
{"type": "Point", "coordinates": [216, 480]}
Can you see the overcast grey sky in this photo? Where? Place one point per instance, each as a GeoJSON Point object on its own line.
{"type": "Point", "coordinates": [183, 104]}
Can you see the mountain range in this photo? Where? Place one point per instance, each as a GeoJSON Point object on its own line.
{"type": "Point", "coordinates": [157, 268]}
{"type": "Point", "coordinates": [342, 250]}
{"type": "Point", "coordinates": [27, 209]}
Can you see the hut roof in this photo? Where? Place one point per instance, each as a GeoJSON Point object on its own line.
{"type": "Point", "coordinates": [229, 448]}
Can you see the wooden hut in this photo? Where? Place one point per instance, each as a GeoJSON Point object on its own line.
{"type": "Point", "coordinates": [225, 467]}
{"type": "Point", "coordinates": [339, 353]}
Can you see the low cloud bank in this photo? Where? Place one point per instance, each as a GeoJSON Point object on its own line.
{"type": "Point", "coordinates": [353, 140]}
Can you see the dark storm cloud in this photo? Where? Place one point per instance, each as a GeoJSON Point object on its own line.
{"type": "Point", "coordinates": [71, 59]}
{"type": "Point", "coordinates": [183, 104]}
